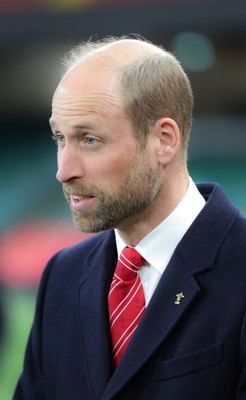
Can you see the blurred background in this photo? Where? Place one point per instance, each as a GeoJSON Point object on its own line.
{"type": "Point", "coordinates": [209, 38]}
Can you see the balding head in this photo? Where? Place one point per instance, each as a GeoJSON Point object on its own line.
{"type": "Point", "coordinates": [112, 52]}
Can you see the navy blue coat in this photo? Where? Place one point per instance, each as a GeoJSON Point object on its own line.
{"type": "Point", "coordinates": [187, 351]}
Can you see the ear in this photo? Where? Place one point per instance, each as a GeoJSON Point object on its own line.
{"type": "Point", "coordinates": [169, 138]}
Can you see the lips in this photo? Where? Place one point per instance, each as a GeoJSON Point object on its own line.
{"type": "Point", "coordinates": [80, 202]}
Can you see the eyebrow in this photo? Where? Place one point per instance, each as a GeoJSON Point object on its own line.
{"type": "Point", "coordinates": [53, 125]}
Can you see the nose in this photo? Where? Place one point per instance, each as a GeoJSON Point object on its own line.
{"type": "Point", "coordinates": [69, 164]}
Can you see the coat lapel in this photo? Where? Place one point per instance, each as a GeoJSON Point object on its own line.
{"type": "Point", "coordinates": [93, 314]}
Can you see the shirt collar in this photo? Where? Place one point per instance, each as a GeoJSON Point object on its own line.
{"type": "Point", "coordinates": [158, 246]}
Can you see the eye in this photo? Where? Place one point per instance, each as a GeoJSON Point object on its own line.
{"type": "Point", "coordinates": [59, 139]}
{"type": "Point", "coordinates": [90, 140]}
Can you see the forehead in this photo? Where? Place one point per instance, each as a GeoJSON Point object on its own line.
{"type": "Point", "coordinates": [88, 87]}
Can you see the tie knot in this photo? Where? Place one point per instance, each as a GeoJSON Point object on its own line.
{"type": "Point", "coordinates": [129, 263]}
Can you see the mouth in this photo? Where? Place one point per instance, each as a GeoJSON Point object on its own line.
{"type": "Point", "coordinates": [79, 197]}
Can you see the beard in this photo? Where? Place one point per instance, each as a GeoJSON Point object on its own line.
{"type": "Point", "coordinates": [135, 193]}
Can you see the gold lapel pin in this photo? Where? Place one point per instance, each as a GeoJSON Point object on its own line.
{"type": "Point", "coordinates": [179, 297]}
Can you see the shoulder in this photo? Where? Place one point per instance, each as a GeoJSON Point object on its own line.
{"type": "Point", "coordinates": [221, 216]}
{"type": "Point", "coordinates": [219, 208]}
{"type": "Point", "coordinates": [71, 262]}
{"type": "Point", "coordinates": [218, 232]}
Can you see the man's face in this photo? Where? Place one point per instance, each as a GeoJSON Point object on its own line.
{"type": "Point", "coordinates": [107, 180]}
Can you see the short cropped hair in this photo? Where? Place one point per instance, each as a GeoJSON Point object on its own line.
{"type": "Point", "coordinates": [151, 86]}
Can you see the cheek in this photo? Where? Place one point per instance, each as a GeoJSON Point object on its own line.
{"type": "Point", "coordinates": [111, 171]}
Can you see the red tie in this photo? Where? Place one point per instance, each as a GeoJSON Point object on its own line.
{"type": "Point", "coordinates": [126, 301]}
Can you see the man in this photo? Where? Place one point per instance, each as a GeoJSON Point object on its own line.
{"type": "Point", "coordinates": [121, 117]}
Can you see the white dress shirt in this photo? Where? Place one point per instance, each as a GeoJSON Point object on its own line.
{"type": "Point", "coordinates": [158, 246]}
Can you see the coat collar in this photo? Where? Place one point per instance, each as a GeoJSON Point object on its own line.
{"type": "Point", "coordinates": [205, 235]}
